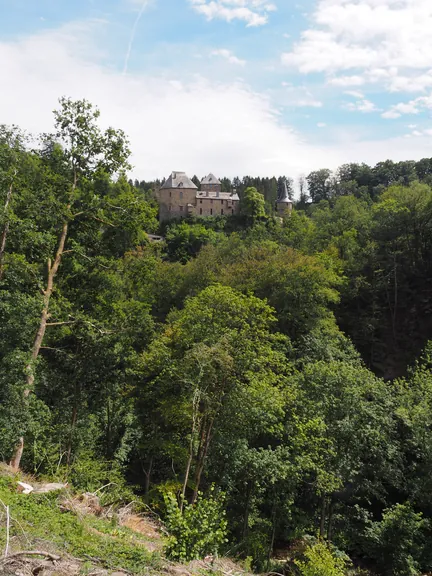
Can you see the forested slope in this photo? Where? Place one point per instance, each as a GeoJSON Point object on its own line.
{"type": "Point", "coordinates": [281, 367]}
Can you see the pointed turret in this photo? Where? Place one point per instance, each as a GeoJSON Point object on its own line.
{"type": "Point", "coordinates": [284, 202]}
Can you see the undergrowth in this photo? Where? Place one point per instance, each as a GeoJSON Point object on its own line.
{"type": "Point", "coordinates": [38, 519]}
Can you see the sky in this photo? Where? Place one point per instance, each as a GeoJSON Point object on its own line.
{"type": "Point", "coordinates": [233, 87]}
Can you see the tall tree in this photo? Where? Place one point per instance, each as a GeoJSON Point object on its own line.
{"type": "Point", "coordinates": [85, 151]}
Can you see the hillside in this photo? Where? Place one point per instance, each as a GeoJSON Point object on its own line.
{"type": "Point", "coordinates": [64, 533]}
{"type": "Point", "coordinates": [260, 382]}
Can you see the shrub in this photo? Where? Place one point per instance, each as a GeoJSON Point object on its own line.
{"type": "Point", "coordinates": [90, 474]}
{"type": "Point", "coordinates": [321, 560]}
{"type": "Point", "coordinates": [198, 531]}
{"type": "Point", "coordinates": [395, 541]}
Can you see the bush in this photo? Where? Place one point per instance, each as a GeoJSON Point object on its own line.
{"type": "Point", "coordinates": [196, 532]}
{"type": "Point", "coordinates": [395, 542]}
{"type": "Point", "coordinates": [90, 474]}
{"type": "Point", "coordinates": [321, 560]}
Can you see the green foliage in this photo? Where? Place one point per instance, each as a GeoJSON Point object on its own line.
{"type": "Point", "coordinates": [252, 204]}
{"type": "Point", "coordinates": [91, 474]}
{"type": "Point", "coordinates": [395, 541]}
{"type": "Point", "coordinates": [321, 560]}
{"type": "Point", "coordinates": [185, 240]}
{"type": "Point", "coordinates": [197, 531]}
{"type": "Point", "coordinates": [268, 358]}
{"type": "Point", "coordinates": [42, 521]}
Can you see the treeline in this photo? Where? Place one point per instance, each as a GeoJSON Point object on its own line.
{"type": "Point", "coordinates": [359, 180]}
{"type": "Point", "coordinates": [270, 188]}
{"type": "Point", "coordinates": [244, 356]}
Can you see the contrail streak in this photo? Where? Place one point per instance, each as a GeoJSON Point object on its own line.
{"type": "Point", "coordinates": [132, 36]}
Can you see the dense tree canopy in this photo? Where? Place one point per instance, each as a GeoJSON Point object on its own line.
{"type": "Point", "coordinates": [282, 362]}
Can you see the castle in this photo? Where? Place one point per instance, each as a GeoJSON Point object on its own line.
{"type": "Point", "coordinates": [178, 197]}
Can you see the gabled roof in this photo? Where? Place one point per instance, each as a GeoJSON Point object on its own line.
{"type": "Point", "coordinates": [210, 179]}
{"type": "Point", "coordinates": [179, 180]}
{"type": "Point", "coordinates": [284, 198]}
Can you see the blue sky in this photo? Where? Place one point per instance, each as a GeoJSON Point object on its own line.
{"type": "Point", "coordinates": [230, 86]}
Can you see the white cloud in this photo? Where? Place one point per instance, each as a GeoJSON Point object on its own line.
{"type": "Point", "coordinates": [299, 97]}
{"type": "Point", "coordinates": [356, 42]}
{"type": "Point", "coordinates": [229, 56]}
{"type": "Point", "coordinates": [419, 133]}
{"type": "Point", "coordinates": [253, 12]}
{"type": "Point", "coordinates": [412, 107]}
{"type": "Point", "coordinates": [347, 81]}
{"type": "Point", "coordinates": [321, 124]}
{"type": "Point", "coordinates": [362, 105]}
{"type": "Point", "coordinates": [181, 123]}
{"type": "Point", "coordinates": [166, 118]}
{"type": "Point", "coordinates": [355, 94]}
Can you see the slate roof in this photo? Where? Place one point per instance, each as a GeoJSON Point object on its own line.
{"type": "Point", "coordinates": [284, 199]}
{"type": "Point", "coordinates": [221, 196]}
{"type": "Point", "coordinates": [210, 179]}
{"type": "Point", "coordinates": [179, 180]}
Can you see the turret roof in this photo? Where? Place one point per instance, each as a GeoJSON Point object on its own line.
{"type": "Point", "coordinates": [179, 180]}
{"type": "Point", "coordinates": [284, 198]}
{"type": "Point", "coordinates": [210, 179]}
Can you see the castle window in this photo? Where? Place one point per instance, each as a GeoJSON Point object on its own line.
{"type": "Point", "coordinates": [181, 195]}
{"type": "Point", "coordinates": [170, 193]}
{"type": "Point", "coordinates": [222, 211]}
{"type": "Point", "coordinates": [211, 201]}
{"type": "Point", "coordinates": [211, 211]}
{"type": "Point", "coordinates": [169, 208]}
{"type": "Point", "coordinates": [232, 211]}
{"type": "Point", "coordinates": [200, 201]}
{"type": "Point", "coordinates": [181, 208]}
{"type": "Point", "coordinates": [200, 210]}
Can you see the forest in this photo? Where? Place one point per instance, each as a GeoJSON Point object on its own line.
{"type": "Point", "coordinates": [264, 384]}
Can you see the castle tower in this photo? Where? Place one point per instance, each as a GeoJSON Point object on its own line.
{"type": "Point", "coordinates": [177, 197]}
{"type": "Point", "coordinates": [284, 203]}
{"type": "Point", "coordinates": [211, 185]}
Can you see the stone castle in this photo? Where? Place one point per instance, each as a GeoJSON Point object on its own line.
{"type": "Point", "coordinates": [179, 198]}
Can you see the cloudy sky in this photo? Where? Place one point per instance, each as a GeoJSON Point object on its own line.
{"type": "Point", "coordinates": [230, 86]}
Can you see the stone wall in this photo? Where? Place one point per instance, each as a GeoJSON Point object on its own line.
{"type": "Point", "coordinates": [173, 203]}
{"type": "Point", "coordinates": [216, 206]}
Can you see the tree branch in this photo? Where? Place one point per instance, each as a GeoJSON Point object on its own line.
{"type": "Point", "coordinates": [48, 555]}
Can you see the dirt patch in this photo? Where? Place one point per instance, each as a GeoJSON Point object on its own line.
{"type": "Point", "coordinates": [142, 525]}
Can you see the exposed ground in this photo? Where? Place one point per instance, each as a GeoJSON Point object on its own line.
{"type": "Point", "coordinates": [62, 533]}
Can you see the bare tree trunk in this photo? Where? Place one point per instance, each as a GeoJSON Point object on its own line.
{"type": "Point", "coordinates": [246, 514]}
{"type": "Point", "coordinates": [147, 478]}
{"type": "Point", "coordinates": [186, 479]}
{"type": "Point", "coordinates": [5, 230]}
{"type": "Point", "coordinates": [188, 465]}
{"type": "Point", "coordinates": [16, 459]}
{"type": "Point", "coordinates": [52, 271]}
{"type": "Point", "coordinates": [323, 517]}
{"type": "Point", "coordinates": [200, 463]}
{"type": "Point", "coordinates": [272, 541]}
{"type": "Point", "coordinates": [73, 423]}
{"type": "Point", "coordinates": [330, 522]}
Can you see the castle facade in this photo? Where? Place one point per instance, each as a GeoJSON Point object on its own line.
{"type": "Point", "coordinates": [178, 197]}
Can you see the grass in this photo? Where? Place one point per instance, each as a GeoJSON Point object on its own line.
{"type": "Point", "coordinates": [38, 521]}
